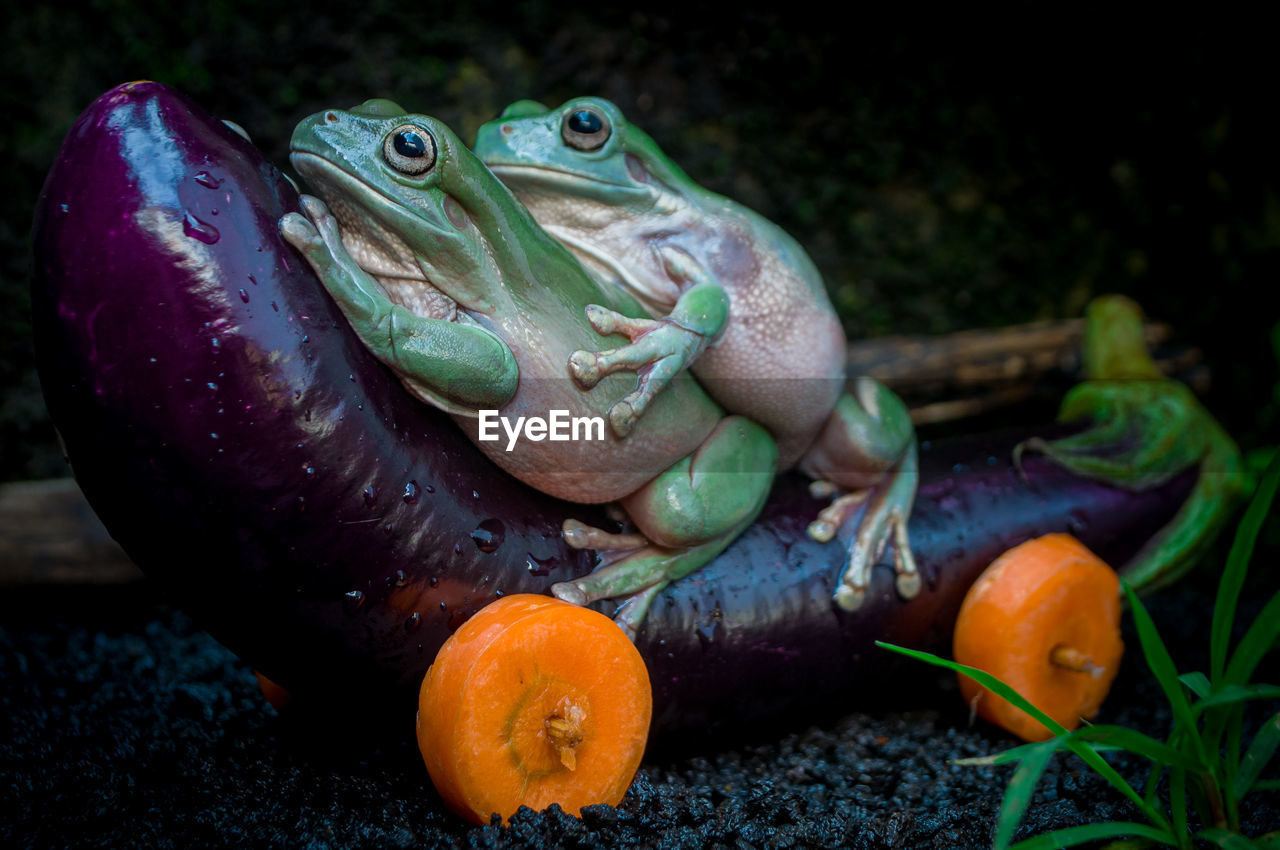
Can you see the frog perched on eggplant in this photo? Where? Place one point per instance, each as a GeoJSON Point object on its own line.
{"type": "Point", "coordinates": [449, 281]}
{"type": "Point", "coordinates": [733, 298]}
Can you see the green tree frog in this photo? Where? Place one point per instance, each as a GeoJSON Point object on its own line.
{"type": "Point", "coordinates": [730, 296]}
{"type": "Point", "coordinates": [449, 281]}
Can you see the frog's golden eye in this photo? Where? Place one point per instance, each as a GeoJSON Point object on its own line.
{"type": "Point", "coordinates": [585, 129]}
{"type": "Point", "coordinates": [410, 150]}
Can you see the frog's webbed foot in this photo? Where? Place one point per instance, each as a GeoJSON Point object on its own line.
{"type": "Point", "coordinates": [632, 570]}
{"type": "Point", "coordinates": [317, 238]}
{"type": "Point", "coordinates": [867, 449]}
{"type": "Point", "coordinates": [579, 535]}
{"type": "Point", "coordinates": [658, 351]}
{"type": "Point", "coordinates": [884, 519]}
{"type": "Point", "coordinates": [686, 515]}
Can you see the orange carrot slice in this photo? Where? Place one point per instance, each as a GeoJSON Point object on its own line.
{"type": "Point", "coordinates": [534, 701]}
{"type": "Point", "coordinates": [1045, 619]}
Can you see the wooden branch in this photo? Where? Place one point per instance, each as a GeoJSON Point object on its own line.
{"type": "Point", "coordinates": [968, 373]}
{"type": "Point", "coordinates": [50, 535]}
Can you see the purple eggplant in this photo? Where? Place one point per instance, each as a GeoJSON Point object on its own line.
{"type": "Point", "coordinates": [248, 453]}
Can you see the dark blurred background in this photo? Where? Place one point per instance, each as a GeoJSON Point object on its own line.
{"type": "Point", "coordinates": [944, 173]}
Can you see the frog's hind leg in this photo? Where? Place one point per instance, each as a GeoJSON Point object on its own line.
{"type": "Point", "coordinates": [687, 516]}
{"type": "Point", "coordinates": [868, 447]}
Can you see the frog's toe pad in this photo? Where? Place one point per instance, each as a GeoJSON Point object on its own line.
{"type": "Point", "coordinates": [622, 418]}
{"type": "Point", "coordinates": [585, 368]}
{"type": "Point", "coordinates": [850, 598]}
{"type": "Point", "coordinates": [298, 231]}
{"type": "Point", "coordinates": [821, 531]}
{"type": "Point", "coordinates": [568, 591]}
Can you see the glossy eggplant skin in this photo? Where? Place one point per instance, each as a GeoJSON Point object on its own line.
{"type": "Point", "coordinates": [249, 454]}
{"type": "Point", "coordinates": [233, 434]}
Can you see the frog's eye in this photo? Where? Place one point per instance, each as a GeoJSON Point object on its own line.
{"type": "Point", "coordinates": [410, 150]}
{"type": "Point", "coordinates": [585, 129]}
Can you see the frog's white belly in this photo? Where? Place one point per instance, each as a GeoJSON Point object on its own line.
{"type": "Point", "coordinates": [597, 465]}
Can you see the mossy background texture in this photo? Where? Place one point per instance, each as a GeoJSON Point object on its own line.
{"type": "Point", "coordinates": [944, 172]}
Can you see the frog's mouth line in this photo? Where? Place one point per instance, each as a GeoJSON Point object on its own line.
{"type": "Point", "coordinates": [567, 181]}
{"type": "Point", "coordinates": [377, 249]}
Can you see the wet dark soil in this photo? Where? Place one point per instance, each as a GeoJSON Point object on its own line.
{"type": "Point", "coordinates": [122, 724]}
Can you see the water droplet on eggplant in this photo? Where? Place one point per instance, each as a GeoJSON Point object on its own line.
{"type": "Point", "coordinates": [456, 619]}
{"type": "Point", "coordinates": [489, 535]}
{"type": "Point", "coordinates": [197, 229]}
{"type": "Point", "coordinates": [1077, 522]}
{"type": "Point", "coordinates": [412, 622]}
{"type": "Point", "coordinates": [370, 496]}
{"type": "Point", "coordinates": [710, 633]}
{"type": "Point", "coordinates": [207, 180]}
{"type": "Point", "coordinates": [411, 491]}
{"type": "Point", "coordinates": [352, 600]}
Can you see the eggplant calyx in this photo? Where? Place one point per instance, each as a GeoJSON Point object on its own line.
{"type": "Point", "coordinates": [1144, 430]}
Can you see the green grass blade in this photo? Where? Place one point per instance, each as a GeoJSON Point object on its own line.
{"type": "Point", "coordinates": [1161, 664]}
{"type": "Point", "coordinates": [1016, 754]}
{"type": "Point", "coordinates": [1153, 777]}
{"type": "Point", "coordinates": [1201, 800]}
{"type": "Point", "coordinates": [1178, 800]}
{"type": "Point", "coordinates": [1121, 737]}
{"type": "Point", "coordinates": [1009, 756]}
{"type": "Point", "coordinates": [1256, 757]}
{"type": "Point", "coordinates": [1080, 748]}
{"type": "Point", "coordinates": [1256, 643]}
{"type": "Point", "coordinates": [1153, 784]}
{"type": "Point", "coordinates": [1227, 840]}
{"type": "Point", "coordinates": [1197, 682]}
{"type": "Point", "coordinates": [1102, 738]}
{"type": "Point", "coordinates": [1073, 835]}
{"type": "Point", "coordinates": [1224, 606]}
{"type": "Point", "coordinates": [1236, 693]}
{"type": "Point", "coordinates": [983, 678]}
{"type": "Point", "coordinates": [1017, 796]}
{"type": "Point", "coordinates": [1231, 766]}
{"type": "Point", "coordinates": [1267, 785]}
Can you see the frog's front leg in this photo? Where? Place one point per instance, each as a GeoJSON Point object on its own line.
{"type": "Point", "coordinates": [458, 367]}
{"type": "Point", "coordinates": [867, 446]}
{"type": "Point", "coordinates": [659, 348]}
{"type": "Point", "coordinates": [687, 516]}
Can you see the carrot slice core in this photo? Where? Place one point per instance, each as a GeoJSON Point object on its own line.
{"type": "Point", "coordinates": [534, 701]}
{"type": "Point", "coordinates": [1045, 619]}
